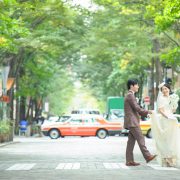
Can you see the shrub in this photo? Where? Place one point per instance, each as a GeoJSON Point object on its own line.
{"type": "Point", "coordinates": [4, 127]}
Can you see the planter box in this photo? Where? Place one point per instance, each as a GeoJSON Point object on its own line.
{"type": "Point", "coordinates": [6, 131]}
{"type": "Point", "coordinates": [4, 138]}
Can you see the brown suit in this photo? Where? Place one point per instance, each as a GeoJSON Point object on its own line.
{"type": "Point", "coordinates": [131, 121]}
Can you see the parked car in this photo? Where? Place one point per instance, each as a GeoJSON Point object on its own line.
{"type": "Point", "coordinates": [82, 125]}
{"type": "Point", "coordinates": [53, 119]}
{"type": "Point", "coordinates": [145, 126]}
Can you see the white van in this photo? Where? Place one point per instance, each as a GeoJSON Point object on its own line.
{"type": "Point", "coordinates": [86, 111]}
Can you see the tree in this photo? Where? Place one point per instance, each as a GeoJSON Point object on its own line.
{"type": "Point", "coordinates": [37, 37]}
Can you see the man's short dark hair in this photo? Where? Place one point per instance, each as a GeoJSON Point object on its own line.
{"type": "Point", "coordinates": [131, 82]}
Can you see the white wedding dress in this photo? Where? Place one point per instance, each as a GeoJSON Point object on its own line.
{"type": "Point", "coordinates": [166, 135]}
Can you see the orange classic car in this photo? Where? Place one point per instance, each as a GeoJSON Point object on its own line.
{"type": "Point", "coordinates": [82, 125]}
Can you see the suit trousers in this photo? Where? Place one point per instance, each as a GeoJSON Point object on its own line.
{"type": "Point", "coordinates": [135, 134]}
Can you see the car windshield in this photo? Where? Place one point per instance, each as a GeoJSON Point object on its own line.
{"type": "Point", "coordinates": [53, 118]}
{"type": "Point", "coordinates": [64, 118]}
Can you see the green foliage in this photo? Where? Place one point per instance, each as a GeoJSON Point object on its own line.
{"type": "Point", "coordinates": [35, 81]}
{"type": "Point", "coordinates": [170, 15]}
{"type": "Point", "coordinates": [61, 92]}
{"type": "Point", "coordinates": [122, 33]}
{"type": "Point", "coordinates": [172, 57]}
{"type": "Point", "coordinates": [116, 48]}
{"type": "Point", "coordinates": [48, 32]}
{"type": "Point", "coordinates": [102, 48]}
{"type": "Point", "coordinates": [4, 127]}
{"type": "Point", "coordinates": [11, 28]}
{"type": "Point", "coordinates": [165, 15]}
{"type": "Point", "coordinates": [178, 109]}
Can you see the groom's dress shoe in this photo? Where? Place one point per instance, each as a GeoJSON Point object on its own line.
{"type": "Point", "coordinates": [132, 164]}
{"type": "Point", "coordinates": [150, 158]}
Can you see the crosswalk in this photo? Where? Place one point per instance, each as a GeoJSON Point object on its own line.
{"type": "Point", "coordinates": [83, 166]}
{"type": "Point", "coordinates": [21, 166]}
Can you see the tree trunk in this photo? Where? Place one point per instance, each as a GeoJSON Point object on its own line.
{"type": "Point", "coordinates": [22, 107]}
{"type": "Point", "coordinates": [17, 105]}
{"type": "Point", "coordinates": [151, 83]}
{"type": "Point", "coordinates": [11, 104]}
{"type": "Point", "coordinates": [29, 107]}
{"type": "Point", "coordinates": [32, 109]}
{"type": "Point", "coordinates": [38, 107]}
{"type": "Point", "coordinates": [141, 82]}
{"type": "Point", "coordinates": [158, 66]}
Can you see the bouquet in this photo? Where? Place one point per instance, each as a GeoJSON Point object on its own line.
{"type": "Point", "coordinates": [174, 98]}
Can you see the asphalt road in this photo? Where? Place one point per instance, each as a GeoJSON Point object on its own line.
{"type": "Point", "coordinates": [76, 158]}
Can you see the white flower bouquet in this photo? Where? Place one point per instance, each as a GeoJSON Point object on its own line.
{"type": "Point", "coordinates": [174, 98]}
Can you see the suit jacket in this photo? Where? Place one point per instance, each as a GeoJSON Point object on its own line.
{"type": "Point", "coordinates": [132, 111]}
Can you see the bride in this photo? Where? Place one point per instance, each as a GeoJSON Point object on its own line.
{"type": "Point", "coordinates": [165, 130]}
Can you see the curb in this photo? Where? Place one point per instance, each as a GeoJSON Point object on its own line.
{"type": "Point", "coordinates": [8, 143]}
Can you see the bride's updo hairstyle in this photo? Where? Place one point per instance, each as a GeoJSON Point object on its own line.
{"type": "Point", "coordinates": [168, 86]}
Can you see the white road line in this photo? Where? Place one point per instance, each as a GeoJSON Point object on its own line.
{"type": "Point", "coordinates": [158, 167]}
{"type": "Point", "coordinates": [60, 166]}
{"type": "Point", "coordinates": [115, 166]}
{"type": "Point", "coordinates": [18, 167]}
{"type": "Point", "coordinates": [68, 166]}
{"type": "Point", "coordinates": [107, 165]}
{"type": "Point", "coordinates": [76, 166]}
{"type": "Point", "coordinates": [123, 166]}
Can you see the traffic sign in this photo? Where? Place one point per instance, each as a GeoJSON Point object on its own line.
{"type": "Point", "coordinates": [147, 100]}
{"type": "Point", "coordinates": [5, 99]}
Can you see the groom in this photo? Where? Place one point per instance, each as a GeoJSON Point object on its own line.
{"type": "Point", "coordinates": [132, 123]}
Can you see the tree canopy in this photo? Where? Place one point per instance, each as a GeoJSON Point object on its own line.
{"type": "Point", "coordinates": [50, 44]}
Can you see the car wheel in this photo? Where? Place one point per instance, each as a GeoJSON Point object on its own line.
{"type": "Point", "coordinates": [149, 134]}
{"type": "Point", "coordinates": [102, 134]}
{"type": "Point", "coordinates": [54, 134]}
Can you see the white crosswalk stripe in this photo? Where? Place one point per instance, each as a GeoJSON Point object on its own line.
{"type": "Point", "coordinates": [115, 166]}
{"type": "Point", "coordinates": [23, 166]}
{"type": "Point", "coordinates": [76, 166]}
{"type": "Point", "coordinates": [123, 166]}
{"type": "Point", "coordinates": [68, 166]}
{"type": "Point", "coordinates": [60, 166]}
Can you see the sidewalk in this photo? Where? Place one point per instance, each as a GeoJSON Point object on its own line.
{"type": "Point", "coordinates": [7, 143]}
{"type": "Point", "coordinates": [18, 139]}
